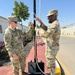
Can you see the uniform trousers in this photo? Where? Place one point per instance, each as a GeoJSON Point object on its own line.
{"type": "Point", "coordinates": [18, 64]}
{"type": "Point", "coordinates": [50, 55]}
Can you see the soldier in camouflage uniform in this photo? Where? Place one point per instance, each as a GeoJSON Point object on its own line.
{"type": "Point", "coordinates": [14, 46]}
{"type": "Point", "coordinates": [52, 35]}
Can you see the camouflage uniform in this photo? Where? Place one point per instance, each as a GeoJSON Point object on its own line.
{"type": "Point", "coordinates": [52, 35]}
{"type": "Point", "coordinates": [14, 45]}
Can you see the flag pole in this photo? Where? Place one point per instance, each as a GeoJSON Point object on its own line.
{"type": "Point", "coordinates": [35, 43]}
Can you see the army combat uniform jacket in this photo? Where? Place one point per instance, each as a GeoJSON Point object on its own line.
{"type": "Point", "coordinates": [12, 39]}
{"type": "Point", "coordinates": [52, 33]}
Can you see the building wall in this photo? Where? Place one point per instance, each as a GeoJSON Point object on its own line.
{"type": "Point", "coordinates": [3, 24]}
{"type": "Point", "coordinates": [68, 30]}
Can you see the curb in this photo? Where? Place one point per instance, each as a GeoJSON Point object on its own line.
{"type": "Point", "coordinates": [58, 69]}
{"type": "Point", "coordinates": [64, 70]}
{"type": "Point", "coordinates": [68, 36]}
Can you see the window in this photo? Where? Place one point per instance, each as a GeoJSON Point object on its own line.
{"type": "Point", "coordinates": [0, 29]}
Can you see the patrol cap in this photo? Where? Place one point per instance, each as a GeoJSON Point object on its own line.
{"type": "Point", "coordinates": [12, 18]}
{"type": "Point", "coordinates": [52, 12]}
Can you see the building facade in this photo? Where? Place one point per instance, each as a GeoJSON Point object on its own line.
{"type": "Point", "coordinates": [68, 30]}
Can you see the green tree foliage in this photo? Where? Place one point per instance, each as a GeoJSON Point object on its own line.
{"type": "Point", "coordinates": [21, 11]}
{"type": "Point", "coordinates": [28, 37]}
{"type": "Point", "coordinates": [37, 26]}
{"type": "Point", "coordinates": [4, 54]}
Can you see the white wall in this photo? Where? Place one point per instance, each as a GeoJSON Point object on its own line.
{"type": "Point", "coordinates": [68, 30]}
{"type": "Point", "coordinates": [25, 28]}
{"type": "Point", "coordinates": [4, 24]}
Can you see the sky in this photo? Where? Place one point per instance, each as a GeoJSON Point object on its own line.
{"type": "Point", "coordinates": [66, 10]}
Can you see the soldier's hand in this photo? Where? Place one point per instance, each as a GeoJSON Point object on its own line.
{"type": "Point", "coordinates": [31, 25]}
{"type": "Point", "coordinates": [36, 29]}
{"type": "Point", "coordinates": [42, 35]}
{"type": "Point", "coordinates": [37, 19]}
{"type": "Point", "coordinates": [15, 56]}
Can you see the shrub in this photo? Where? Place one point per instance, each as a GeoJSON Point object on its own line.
{"type": "Point", "coordinates": [4, 54]}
